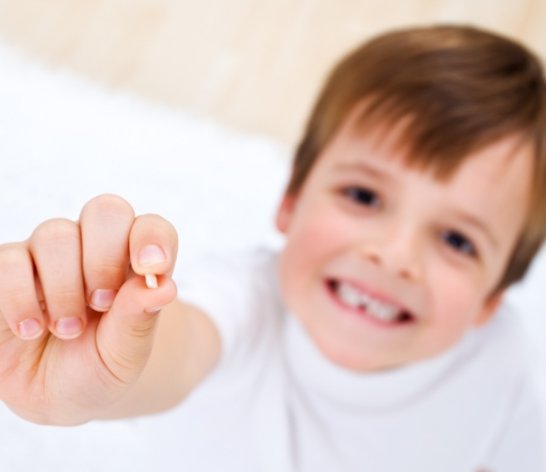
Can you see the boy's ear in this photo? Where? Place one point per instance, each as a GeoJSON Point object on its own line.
{"type": "Point", "coordinates": [489, 308]}
{"type": "Point", "coordinates": [284, 212]}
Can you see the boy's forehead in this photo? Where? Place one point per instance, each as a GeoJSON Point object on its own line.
{"type": "Point", "coordinates": [378, 135]}
{"type": "Point", "coordinates": [358, 140]}
{"type": "Point", "coordinates": [393, 140]}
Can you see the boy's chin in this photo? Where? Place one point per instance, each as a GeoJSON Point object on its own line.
{"type": "Point", "coordinates": [345, 356]}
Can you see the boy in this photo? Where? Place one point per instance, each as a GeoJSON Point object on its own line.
{"type": "Point", "coordinates": [373, 340]}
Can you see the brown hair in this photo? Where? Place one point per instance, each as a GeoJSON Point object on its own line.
{"type": "Point", "coordinates": [467, 88]}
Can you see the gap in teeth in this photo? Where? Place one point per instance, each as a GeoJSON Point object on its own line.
{"type": "Point", "coordinates": [376, 308]}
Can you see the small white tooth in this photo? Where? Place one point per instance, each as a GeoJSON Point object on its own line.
{"type": "Point", "coordinates": [373, 307]}
{"type": "Point", "coordinates": [389, 313]}
{"type": "Point", "coordinates": [378, 309]}
{"type": "Point", "coordinates": [382, 311]}
{"type": "Point", "coordinates": [349, 295]}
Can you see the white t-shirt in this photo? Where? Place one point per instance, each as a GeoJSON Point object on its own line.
{"type": "Point", "coordinates": [276, 404]}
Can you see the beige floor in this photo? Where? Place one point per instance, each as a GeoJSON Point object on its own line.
{"type": "Point", "coordinates": [253, 64]}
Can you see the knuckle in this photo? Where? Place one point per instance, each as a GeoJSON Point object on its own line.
{"type": "Point", "coordinates": [55, 230]}
{"type": "Point", "coordinates": [16, 276]}
{"type": "Point", "coordinates": [22, 305]}
{"type": "Point", "coordinates": [123, 361]}
{"type": "Point", "coordinates": [171, 230]}
{"type": "Point", "coordinates": [65, 302]}
{"type": "Point", "coordinates": [160, 226]}
{"type": "Point", "coordinates": [65, 294]}
{"type": "Point", "coordinates": [11, 255]}
{"type": "Point", "coordinates": [64, 297]}
{"type": "Point", "coordinates": [106, 270]}
{"type": "Point", "coordinates": [19, 298]}
{"type": "Point", "coordinates": [108, 205]}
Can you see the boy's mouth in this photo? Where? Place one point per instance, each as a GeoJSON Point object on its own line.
{"type": "Point", "coordinates": [368, 305]}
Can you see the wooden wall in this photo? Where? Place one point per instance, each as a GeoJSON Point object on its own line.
{"type": "Point", "coordinates": [253, 64]}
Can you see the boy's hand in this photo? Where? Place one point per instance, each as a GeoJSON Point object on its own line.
{"type": "Point", "coordinates": [76, 321]}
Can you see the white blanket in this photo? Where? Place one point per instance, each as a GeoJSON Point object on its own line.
{"type": "Point", "coordinates": [64, 140]}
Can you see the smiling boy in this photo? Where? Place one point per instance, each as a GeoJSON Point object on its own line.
{"type": "Point", "coordinates": [374, 340]}
{"type": "Point", "coordinates": [386, 265]}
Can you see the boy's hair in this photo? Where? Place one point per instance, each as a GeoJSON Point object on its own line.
{"type": "Point", "coordinates": [461, 88]}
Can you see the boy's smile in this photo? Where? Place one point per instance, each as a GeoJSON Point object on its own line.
{"type": "Point", "coordinates": [384, 264]}
{"type": "Point", "coordinates": [362, 302]}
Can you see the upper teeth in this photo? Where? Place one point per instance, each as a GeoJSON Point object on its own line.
{"type": "Point", "coordinates": [357, 299]}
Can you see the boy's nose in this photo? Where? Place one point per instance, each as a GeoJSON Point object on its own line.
{"type": "Point", "coordinates": [399, 253]}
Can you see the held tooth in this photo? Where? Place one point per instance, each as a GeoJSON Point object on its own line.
{"type": "Point", "coordinates": [151, 281]}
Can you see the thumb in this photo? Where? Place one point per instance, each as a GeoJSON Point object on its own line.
{"type": "Point", "coordinates": [125, 334]}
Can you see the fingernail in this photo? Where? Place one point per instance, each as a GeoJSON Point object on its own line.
{"type": "Point", "coordinates": [29, 329]}
{"type": "Point", "coordinates": [150, 255]}
{"type": "Point", "coordinates": [102, 299]}
{"type": "Point", "coordinates": [68, 328]}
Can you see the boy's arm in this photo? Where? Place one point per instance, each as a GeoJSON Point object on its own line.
{"type": "Point", "coordinates": [186, 348]}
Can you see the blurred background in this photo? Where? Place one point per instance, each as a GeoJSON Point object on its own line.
{"type": "Point", "coordinates": [190, 110]}
{"type": "Point", "coordinates": [253, 64]}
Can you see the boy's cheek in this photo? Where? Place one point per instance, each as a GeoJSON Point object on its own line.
{"type": "Point", "coordinates": [453, 312]}
{"type": "Point", "coordinates": [325, 229]}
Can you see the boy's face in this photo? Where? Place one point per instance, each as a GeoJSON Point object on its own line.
{"type": "Point", "coordinates": [385, 265]}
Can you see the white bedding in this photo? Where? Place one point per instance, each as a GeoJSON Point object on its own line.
{"type": "Point", "coordinates": [64, 140]}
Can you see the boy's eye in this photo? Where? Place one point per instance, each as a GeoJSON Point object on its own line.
{"type": "Point", "coordinates": [459, 243]}
{"type": "Point", "coordinates": [362, 196]}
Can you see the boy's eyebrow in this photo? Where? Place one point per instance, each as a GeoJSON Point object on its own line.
{"type": "Point", "coordinates": [363, 167]}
